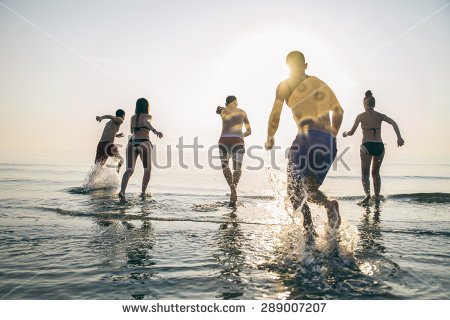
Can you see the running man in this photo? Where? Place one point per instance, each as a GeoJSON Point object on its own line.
{"type": "Point", "coordinates": [372, 148]}
{"type": "Point", "coordinates": [106, 147]}
{"type": "Point", "coordinates": [231, 142]}
{"type": "Point", "coordinates": [314, 148]}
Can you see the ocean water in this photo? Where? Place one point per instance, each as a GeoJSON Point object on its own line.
{"type": "Point", "coordinates": [64, 235]}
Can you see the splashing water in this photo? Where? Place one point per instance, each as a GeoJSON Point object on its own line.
{"type": "Point", "coordinates": [278, 181]}
{"type": "Point", "coordinates": [311, 265]}
{"type": "Point", "coordinates": [347, 234]}
{"type": "Point", "coordinates": [100, 177]}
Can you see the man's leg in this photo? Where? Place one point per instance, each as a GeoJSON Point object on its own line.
{"type": "Point", "coordinates": [237, 170]}
{"type": "Point", "coordinates": [225, 159]}
{"type": "Point", "coordinates": [100, 154]}
{"type": "Point", "coordinates": [318, 197]}
{"type": "Point", "coordinates": [226, 169]}
{"type": "Point", "coordinates": [237, 166]}
{"type": "Point", "coordinates": [119, 163]}
{"type": "Point", "coordinates": [101, 161]}
{"type": "Point", "coordinates": [117, 157]}
{"type": "Point", "coordinates": [110, 150]}
{"type": "Point", "coordinates": [295, 185]}
{"type": "Point", "coordinates": [298, 196]}
{"type": "Point", "coordinates": [298, 199]}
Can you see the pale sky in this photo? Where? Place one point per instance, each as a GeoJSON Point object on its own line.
{"type": "Point", "coordinates": [64, 62]}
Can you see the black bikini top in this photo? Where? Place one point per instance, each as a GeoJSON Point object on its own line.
{"type": "Point", "coordinates": [139, 128]}
{"type": "Point", "coordinates": [373, 129]}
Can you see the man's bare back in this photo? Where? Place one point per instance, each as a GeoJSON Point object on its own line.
{"type": "Point", "coordinates": [110, 130]}
{"type": "Point", "coordinates": [232, 121]}
{"type": "Point", "coordinates": [310, 100]}
{"type": "Point", "coordinates": [106, 147]}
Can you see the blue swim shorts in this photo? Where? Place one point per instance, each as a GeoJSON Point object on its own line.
{"type": "Point", "coordinates": [311, 154]}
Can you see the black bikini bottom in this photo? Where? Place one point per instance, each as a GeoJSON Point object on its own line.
{"type": "Point", "coordinates": [137, 142]}
{"type": "Point", "coordinates": [374, 148]}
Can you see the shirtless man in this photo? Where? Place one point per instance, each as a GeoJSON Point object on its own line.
{"type": "Point", "coordinates": [106, 147]}
{"type": "Point", "coordinates": [314, 148]}
{"type": "Point", "coordinates": [372, 148]}
{"type": "Point", "coordinates": [231, 142]}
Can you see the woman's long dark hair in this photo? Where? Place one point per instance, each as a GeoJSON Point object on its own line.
{"type": "Point", "coordinates": [141, 107]}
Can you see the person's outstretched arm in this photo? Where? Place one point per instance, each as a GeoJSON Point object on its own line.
{"type": "Point", "coordinates": [274, 118]}
{"type": "Point", "coordinates": [400, 140]}
{"type": "Point", "coordinates": [352, 131]}
{"type": "Point", "coordinates": [150, 127]}
{"type": "Point", "coordinates": [117, 120]}
{"type": "Point", "coordinates": [248, 129]}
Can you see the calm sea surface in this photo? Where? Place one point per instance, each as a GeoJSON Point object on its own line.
{"type": "Point", "coordinates": [61, 240]}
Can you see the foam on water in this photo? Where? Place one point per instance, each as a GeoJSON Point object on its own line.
{"type": "Point", "coordinates": [295, 238]}
{"type": "Point", "coordinates": [100, 177]}
{"type": "Point", "coordinates": [278, 181]}
{"type": "Point", "coordinates": [97, 178]}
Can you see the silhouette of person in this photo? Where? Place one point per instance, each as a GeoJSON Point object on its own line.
{"type": "Point", "coordinates": [231, 142]}
{"type": "Point", "coordinates": [139, 145]}
{"type": "Point", "coordinates": [314, 148]}
{"type": "Point", "coordinates": [106, 147]}
{"type": "Point", "coordinates": [372, 148]}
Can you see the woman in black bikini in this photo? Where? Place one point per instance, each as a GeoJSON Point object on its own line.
{"type": "Point", "coordinates": [139, 145]}
{"type": "Point", "coordinates": [372, 148]}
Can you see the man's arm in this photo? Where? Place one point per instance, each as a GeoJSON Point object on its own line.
{"type": "Point", "coordinates": [248, 129]}
{"type": "Point", "coordinates": [400, 140]}
{"type": "Point", "coordinates": [352, 131]}
{"type": "Point", "coordinates": [333, 105]}
{"type": "Point", "coordinates": [219, 110]}
{"type": "Point", "coordinates": [274, 118]}
{"type": "Point", "coordinates": [337, 113]}
{"type": "Point", "coordinates": [336, 119]}
{"type": "Point", "coordinates": [117, 120]}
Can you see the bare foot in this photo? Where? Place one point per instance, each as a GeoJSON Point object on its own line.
{"type": "Point", "coordinates": [365, 201]}
{"type": "Point", "coordinates": [233, 196]}
{"type": "Point", "coordinates": [145, 195]}
{"type": "Point", "coordinates": [334, 219]}
{"type": "Point", "coordinates": [122, 197]}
